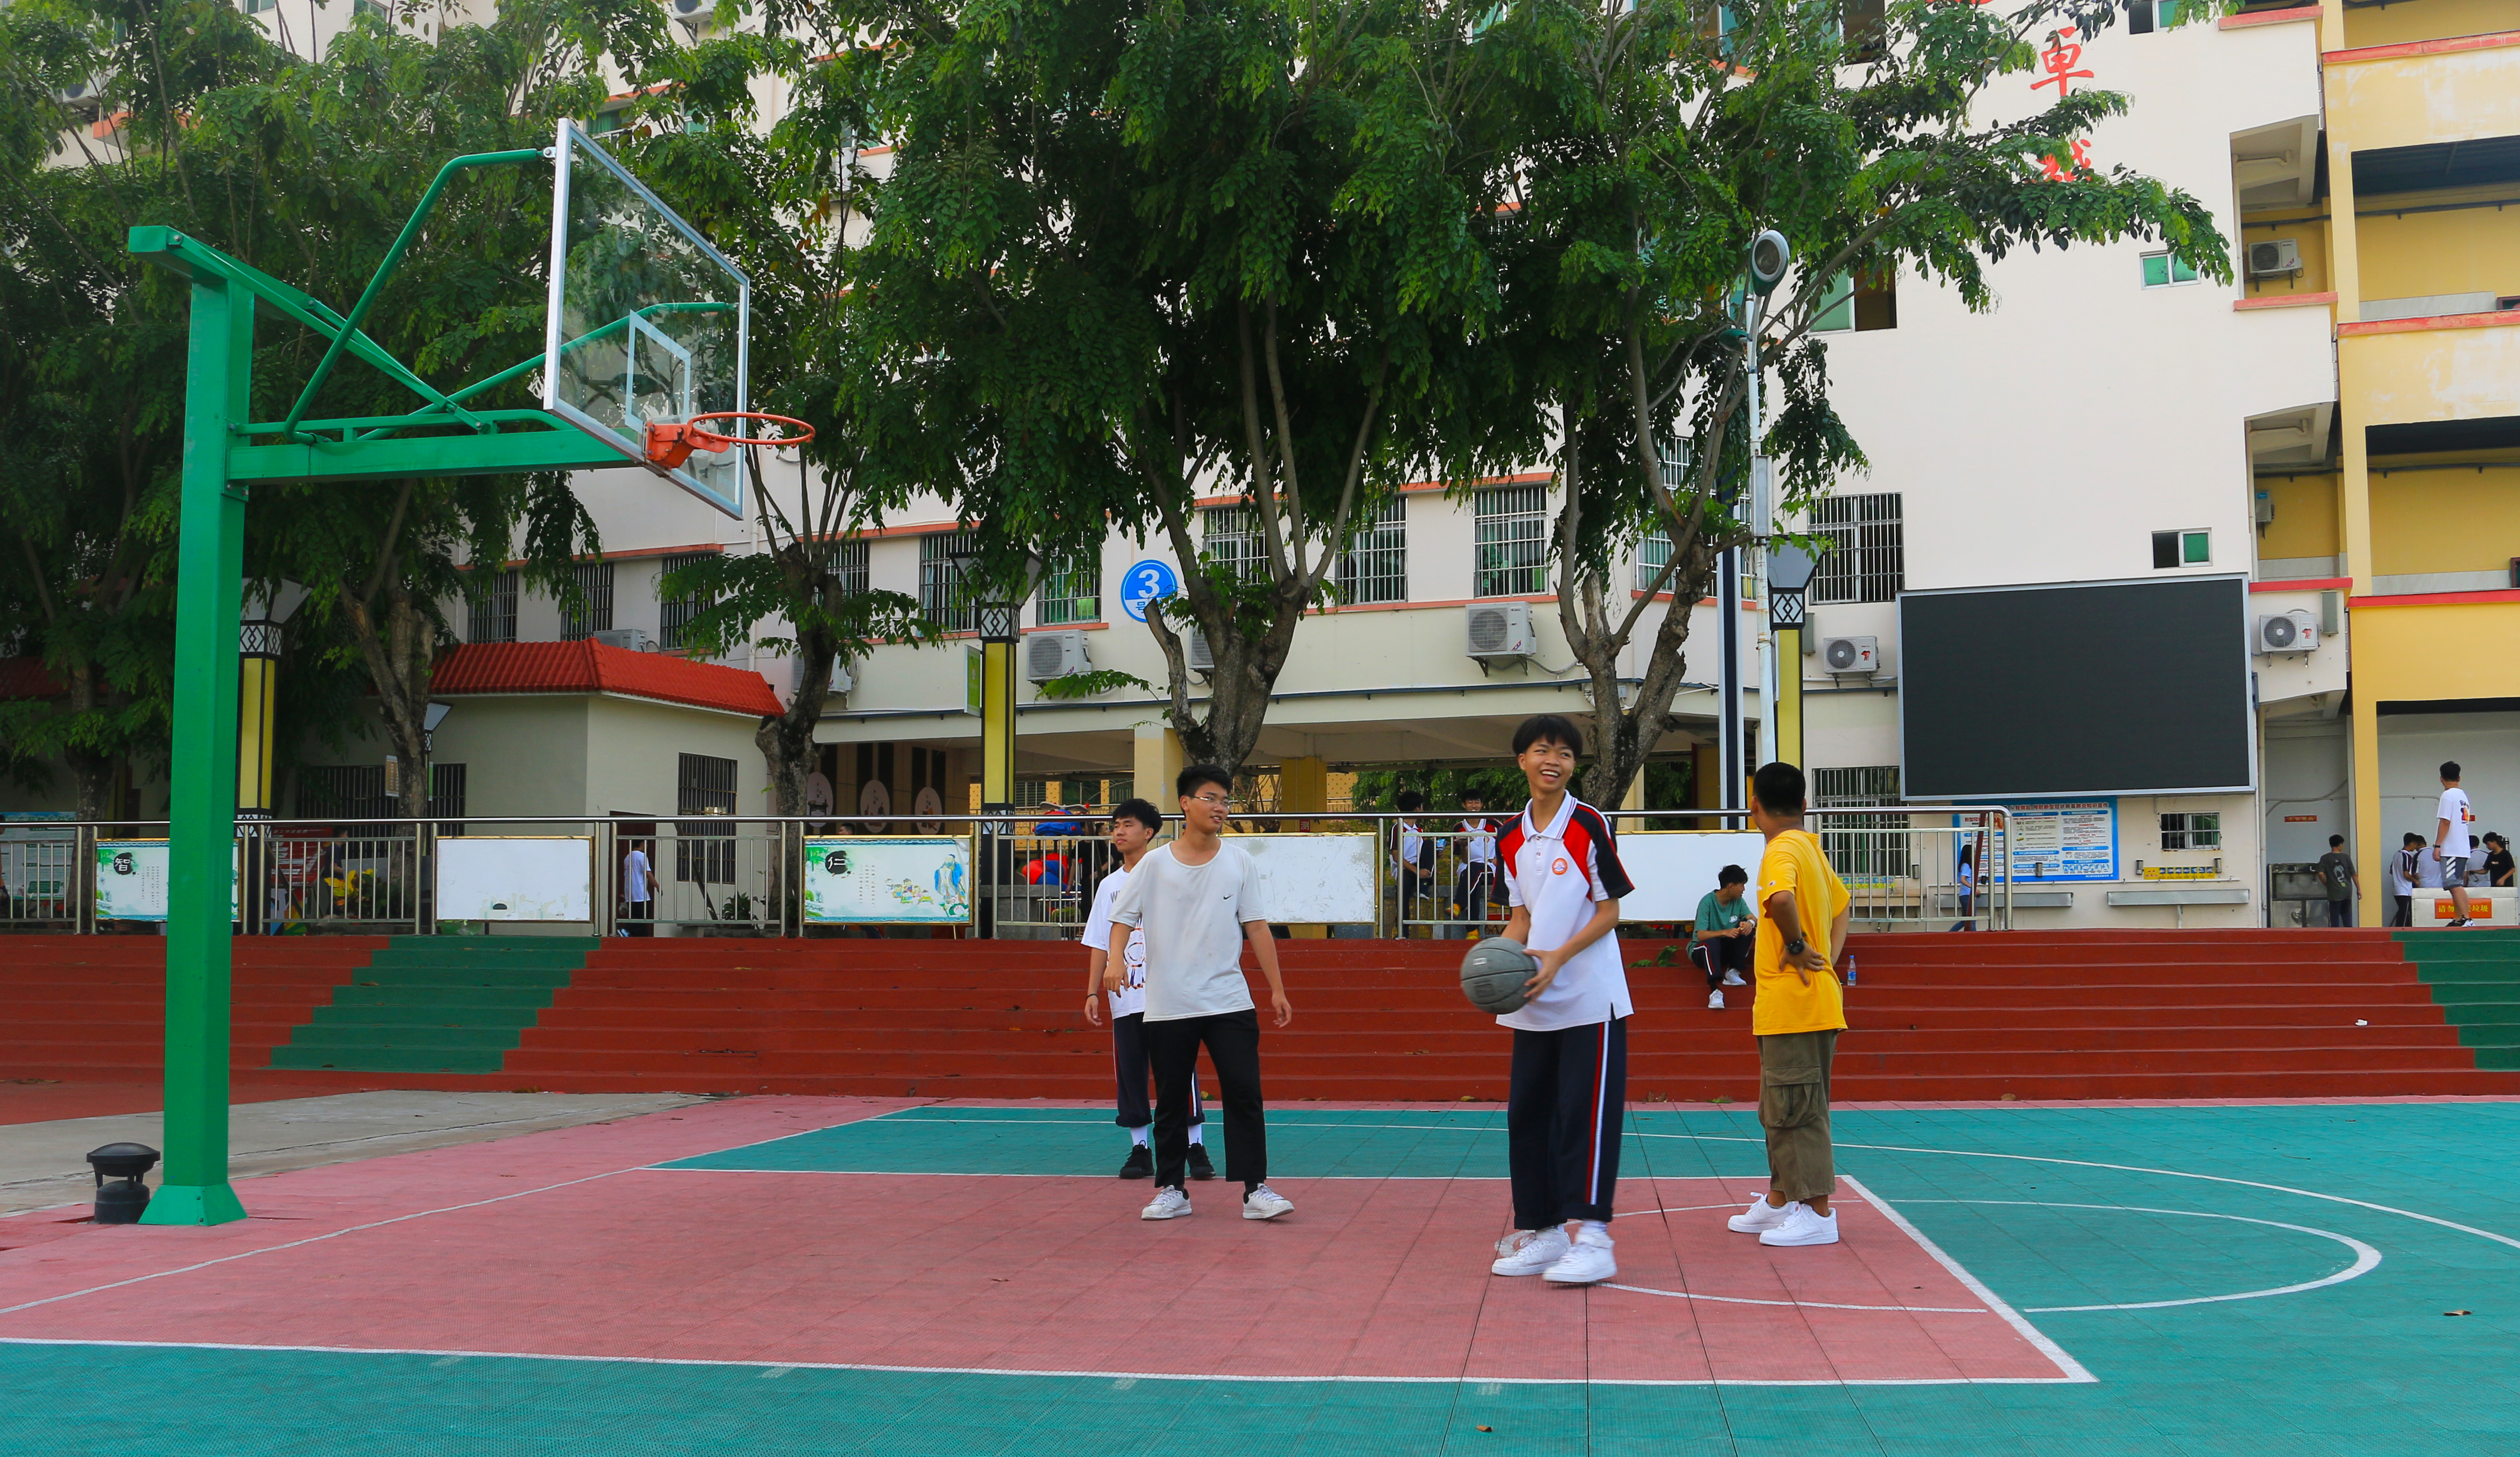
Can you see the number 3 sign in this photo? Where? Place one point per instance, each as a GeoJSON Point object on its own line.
{"type": "Point", "coordinates": [1144, 583]}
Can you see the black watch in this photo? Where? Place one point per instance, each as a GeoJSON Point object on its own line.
{"type": "Point", "coordinates": [1794, 947]}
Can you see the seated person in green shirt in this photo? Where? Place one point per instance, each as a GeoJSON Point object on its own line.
{"type": "Point", "coordinates": [1725, 935]}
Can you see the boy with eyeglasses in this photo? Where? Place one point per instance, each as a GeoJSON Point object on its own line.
{"type": "Point", "coordinates": [1197, 902]}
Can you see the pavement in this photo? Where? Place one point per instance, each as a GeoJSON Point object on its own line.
{"type": "Point", "coordinates": [43, 1165]}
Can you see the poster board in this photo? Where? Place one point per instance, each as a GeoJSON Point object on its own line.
{"type": "Point", "coordinates": [888, 879]}
{"type": "Point", "coordinates": [1310, 879]}
{"type": "Point", "coordinates": [1674, 868]}
{"type": "Point", "coordinates": [515, 878]}
{"type": "Point", "coordinates": [2062, 840]}
{"type": "Point", "coordinates": [131, 879]}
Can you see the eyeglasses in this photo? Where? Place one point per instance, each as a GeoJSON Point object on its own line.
{"type": "Point", "coordinates": [1212, 801]}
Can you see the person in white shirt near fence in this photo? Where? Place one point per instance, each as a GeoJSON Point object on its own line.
{"type": "Point", "coordinates": [1134, 827]}
{"type": "Point", "coordinates": [2451, 837]}
{"type": "Point", "coordinates": [1197, 902]}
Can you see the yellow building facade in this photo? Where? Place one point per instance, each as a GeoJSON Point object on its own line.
{"type": "Point", "coordinates": [2419, 248]}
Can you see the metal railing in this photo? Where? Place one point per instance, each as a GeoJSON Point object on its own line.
{"type": "Point", "coordinates": [1014, 876]}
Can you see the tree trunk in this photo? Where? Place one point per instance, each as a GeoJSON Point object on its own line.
{"type": "Point", "coordinates": [401, 657]}
{"type": "Point", "coordinates": [92, 771]}
{"type": "Point", "coordinates": [788, 750]}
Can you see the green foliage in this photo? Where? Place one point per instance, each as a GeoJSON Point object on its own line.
{"type": "Point", "coordinates": [1093, 683]}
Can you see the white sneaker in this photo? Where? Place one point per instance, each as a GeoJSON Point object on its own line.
{"type": "Point", "coordinates": [1265, 1202]}
{"type": "Point", "coordinates": [1169, 1204]}
{"type": "Point", "coordinates": [1715, 1001]}
{"type": "Point", "coordinates": [1530, 1252]}
{"type": "Point", "coordinates": [1801, 1227]}
{"type": "Point", "coordinates": [1760, 1217]}
{"type": "Point", "coordinates": [1734, 978]}
{"type": "Point", "coordinates": [1586, 1263]}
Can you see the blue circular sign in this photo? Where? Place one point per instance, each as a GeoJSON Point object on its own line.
{"type": "Point", "coordinates": [1144, 583]}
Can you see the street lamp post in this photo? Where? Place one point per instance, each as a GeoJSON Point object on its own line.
{"type": "Point", "coordinates": [1770, 256]}
{"type": "Point", "coordinates": [1789, 574]}
{"type": "Point", "coordinates": [258, 647]}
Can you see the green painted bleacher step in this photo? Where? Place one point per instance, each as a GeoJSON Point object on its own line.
{"type": "Point", "coordinates": [2474, 976]}
{"type": "Point", "coordinates": [437, 1004]}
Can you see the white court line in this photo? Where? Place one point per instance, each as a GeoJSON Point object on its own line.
{"type": "Point", "coordinates": [2074, 1370]}
{"type": "Point", "coordinates": [1737, 1299]}
{"type": "Point", "coordinates": [2365, 1259]}
{"type": "Point", "coordinates": [1114, 1376]}
{"type": "Point", "coordinates": [2214, 1179]}
{"type": "Point", "coordinates": [310, 1240]}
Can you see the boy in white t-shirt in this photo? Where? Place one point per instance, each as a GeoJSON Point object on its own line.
{"type": "Point", "coordinates": [1568, 1095]}
{"type": "Point", "coordinates": [1134, 827]}
{"type": "Point", "coordinates": [2451, 838]}
{"type": "Point", "coordinates": [1195, 902]}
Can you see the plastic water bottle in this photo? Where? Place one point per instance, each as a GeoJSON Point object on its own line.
{"type": "Point", "coordinates": [1850, 971]}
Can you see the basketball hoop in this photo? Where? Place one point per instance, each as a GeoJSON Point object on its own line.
{"type": "Point", "coordinates": [671, 442]}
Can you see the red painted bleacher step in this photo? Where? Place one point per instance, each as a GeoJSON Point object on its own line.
{"type": "Point", "coordinates": [2033, 1014]}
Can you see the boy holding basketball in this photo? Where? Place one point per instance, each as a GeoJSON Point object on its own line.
{"type": "Point", "coordinates": [1797, 1015]}
{"type": "Point", "coordinates": [1568, 1095]}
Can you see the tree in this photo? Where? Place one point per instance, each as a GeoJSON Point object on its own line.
{"type": "Point", "coordinates": [1196, 250]}
{"type": "Point", "coordinates": [308, 170]}
{"type": "Point", "coordinates": [1655, 141]}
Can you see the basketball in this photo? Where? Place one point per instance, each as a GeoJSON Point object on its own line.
{"type": "Point", "coordinates": [1493, 974]}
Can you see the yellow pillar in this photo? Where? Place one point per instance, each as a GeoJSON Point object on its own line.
{"type": "Point", "coordinates": [1790, 694]}
{"type": "Point", "coordinates": [997, 725]}
{"type": "Point", "coordinates": [1159, 761]}
{"type": "Point", "coordinates": [259, 690]}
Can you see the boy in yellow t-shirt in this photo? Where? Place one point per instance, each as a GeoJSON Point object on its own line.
{"type": "Point", "coordinates": [1799, 1012]}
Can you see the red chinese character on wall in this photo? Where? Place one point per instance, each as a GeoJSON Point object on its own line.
{"type": "Point", "coordinates": [2056, 171]}
{"type": "Point", "coordinates": [2060, 58]}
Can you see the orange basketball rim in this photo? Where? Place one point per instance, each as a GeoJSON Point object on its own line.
{"type": "Point", "coordinates": [671, 442]}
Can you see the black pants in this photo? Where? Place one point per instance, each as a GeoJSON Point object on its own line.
{"type": "Point", "coordinates": [1232, 1040]}
{"type": "Point", "coordinates": [2405, 915]}
{"type": "Point", "coordinates": [2338, 912]}
{"type": "Point", "coordinates": [1472, 886]}
{"type": "Point", "coordinates": [639, 918]}
{"type": "Point", "coordinates": [1134, 1061]}
{"type": "Point", "coordinates": [1715, 958]}
{"type": "Point", "coordinates": [1563, 1113]}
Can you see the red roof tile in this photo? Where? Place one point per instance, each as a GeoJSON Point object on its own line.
{"type": "Point", "coordinates": [26, 678]}
{"type": "Point", "coordinates": [591, 667]}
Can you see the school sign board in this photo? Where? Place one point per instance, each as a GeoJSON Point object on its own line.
{"type": "Point", "coordinates": [891, 880]}
{"type": "Point", "coordinates": [131, 878]}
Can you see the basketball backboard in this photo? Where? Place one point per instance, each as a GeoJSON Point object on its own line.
{"type": "Point", "coordinates": [648, 324]}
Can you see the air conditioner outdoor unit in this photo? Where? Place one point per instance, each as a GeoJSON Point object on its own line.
{"type": "Point", "coordinates": [1857, 655]}
{"type": "Point", "coordinates": [1048, 655]}
{"type": "Point", "coordinates": [2269, 259]}
{"type": "Point", "coordinates": [629, 639]}
{"type": "Point", "coordinates": [1498, 631]}
{"type": "Point", "coordinates": [842, 679]}
{"type": "Point", "coordinates": [2296, 631]}
{"type": "Point", "coordinates": [76, 93]}
{"type": "Point", "coordinates": [1201, 659]}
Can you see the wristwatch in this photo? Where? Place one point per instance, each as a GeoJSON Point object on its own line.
{"type": "Point", "coordinates": [1794, 947]}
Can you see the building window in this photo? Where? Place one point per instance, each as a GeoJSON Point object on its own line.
{"type": "Point", "coordinates": [1375, 567]}
{"type": "Point", "coordinates": [493, 608]}
{"type": "Point", "coordinates": [1866, 558]}
{"type": "Point", "coordinates": [674, 615]}
{"type": "Point", "coordinates": [594, 614]}
{"type": "Point", "coordinates": [849, 565]}
{"type": "Point", "coordinates": [2143, 16]}
{"type": "Point", "coordinates": [1654, 554]}
{"type": "Point", "coordinates": [2161, 270]}
{"type": "Point", "coordinates": [703, 853]}
{"type": "Point", "coordinates": [1854, 305]}
{"type": "Point", "coordinates": [943, 558]}
{"type": "Point", "coordinates": [1071, 591]}
{"type": "Point", "coordinates": [1863, 25]}
{"type": "Point", "coordinates": [260, 7]}
{"type": "Point", "coordinates": [2172, 549]}
{"type": "Point", "coordinates": [1231, 537]}
{"type": "Point", "coordinates": [1513, 541]}
{"type": "Point", "coordinates": [1866, 845]}
{"type": "Point", "coordinates": [357, 791]}
{"type": "Point", "coordinates": [2191, 831]}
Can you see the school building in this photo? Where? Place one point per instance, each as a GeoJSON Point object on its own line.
{"type": "Point", "coordinates": [2335, 428]}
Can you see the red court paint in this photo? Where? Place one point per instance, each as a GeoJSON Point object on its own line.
{"type": "Point", "coordinates": [1368, 1279]}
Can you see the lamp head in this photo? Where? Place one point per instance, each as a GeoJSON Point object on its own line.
{"type": "Point", "coordinates": [1770, 256]}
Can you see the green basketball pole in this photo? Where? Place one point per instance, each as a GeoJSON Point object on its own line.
{"type": "Point", "coordinates": [200, 852]}
{"type": "Point", "coordinates": [225, 451]}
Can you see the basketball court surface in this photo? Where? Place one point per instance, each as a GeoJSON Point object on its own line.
{"type": "Point", "coordinates": [918, 1277]}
